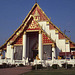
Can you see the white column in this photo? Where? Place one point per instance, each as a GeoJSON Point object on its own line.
{"type": "Point", "coordinates": [0, 54]}
{"type": "Point", "coordinates": [24, 46]}
{"type": "Point", "coordinates": [40, 45]}
{"type": "Point", "coordinates": [53, 52]}
{"type": "Point", "coordinates": [9, 54]}
{"type": "Point", "coordinates": [12, 53]}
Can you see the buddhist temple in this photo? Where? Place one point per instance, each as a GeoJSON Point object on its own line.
{"type": "Point", "coordinates": [37, 39]}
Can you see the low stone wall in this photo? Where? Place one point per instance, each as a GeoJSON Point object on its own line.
{"type": "Point", "coordinates": [43, 62]}
{"type": "Point", "coordinates": [56, 61]}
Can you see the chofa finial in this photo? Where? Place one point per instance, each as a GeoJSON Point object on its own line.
{"type": "Point", "coordinates": [35, 1]}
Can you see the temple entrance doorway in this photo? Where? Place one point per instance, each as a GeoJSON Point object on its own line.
{"type": "Point", "coordinates": [32, 45]}
{"type": "Point", "coordinates": [35, 53]}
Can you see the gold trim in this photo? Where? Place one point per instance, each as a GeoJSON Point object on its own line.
{"type": "Point", "coordinates": [53, 45]}
{"type": "Point", "coordinates": [36, 13]}
{"type": "Point", "coordinates": [8, 43]}
{"type": "Point", "coordinates": [48, 44]}
{"type": "Point", "coordinates": [18, 44]}
{"type": "Point", "coordinates": [0, 50]}
{"type": "Point", "coordinates": [40, 31]}
{"type": "Point", "coordinates": [17, 33]}
{"type": "Point", "coordinates": [12, 46]}
{"type": "Point", "coordinates": [32, 30]}
{"type": "Point", "coordinates": [67, 41]}
{"type": "Point", "coordinates": [47, 22]}
{"type": "Point", "coordinates": [56, 31]}
{"type": "Point", "coordinates": [72, 47]}
{"type": "Point", "coordinates": [24, 33]}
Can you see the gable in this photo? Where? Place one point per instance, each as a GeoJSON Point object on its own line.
{"type": "Point", "coordinates": [72, 45]}
{"type": "Point", "coordinates": [46, 39]}
{"type": "Point", "coordinates": [51, 26]}
{"type": "Point", "coordinates": [19, 40]}
{"type": "Point", "coordinates": [40, 13]}
{"type": "Point", "coordinates": [33, 26]}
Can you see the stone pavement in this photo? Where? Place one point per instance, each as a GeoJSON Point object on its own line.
{"type": "Point", "coordinates": [15, 71]}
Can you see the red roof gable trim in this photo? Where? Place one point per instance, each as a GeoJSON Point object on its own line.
{"type": "Point", "coordinates": [19, 40]}
{"type": "Point", "coordinates": [46, 39]}
{"type": "Point", "coordinates": [33, 26]}
{"type": "Point", "coordinates": [72, 45]}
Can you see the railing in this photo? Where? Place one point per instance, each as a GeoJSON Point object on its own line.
{"type": "Point", "coordinates": [18, 62]}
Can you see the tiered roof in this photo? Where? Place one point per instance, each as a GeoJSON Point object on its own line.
{"type": "Point", "coordinates": [16, 36]}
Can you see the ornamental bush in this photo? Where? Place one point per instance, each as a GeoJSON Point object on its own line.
{"type": "Point", "coordinates": [55, 66]}
{"type": "Point", "coordinates": [21, 65]}
{"type": "Point", "coordinates": [68, 65]}
{"type": "Point", "coordinates": [4, 65]}
{"type": "Point", "coordinates": [37, 66]}
{"type": "Point", "coordinates": [1, 66]}
{"type": "Point", "coordinates": [64, 65]}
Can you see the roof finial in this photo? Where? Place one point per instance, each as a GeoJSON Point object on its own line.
{"type": "Point", "coordinates": [50, 18]}
{"type": "Point", "coordinates": [35, 1]}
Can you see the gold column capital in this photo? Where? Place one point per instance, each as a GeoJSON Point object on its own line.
{"type": "Point", "coordinates": [40, 32]}
{"type": "Point", "coordinates": [53, 45]}
{"type": "Point", "coordinates": [67, 41]}
{"type": "Point", "coordinates": [8, 43]}
{"type": "Point", "coordinates": [25, 33]}
{"type": "Point", "coordinates": [0, 50]}
{"type": "Point", "coordinates": [12, 46]}
{"type": "Point", "coordinates": [56, 31]}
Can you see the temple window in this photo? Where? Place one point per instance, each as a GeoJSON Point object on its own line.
{"type": "Point", "coordinates": [18, 52]}
{"type": "Point", "coordinates": [47, 52]}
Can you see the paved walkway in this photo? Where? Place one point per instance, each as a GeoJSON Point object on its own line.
{"type": "Point", "coordinates": [15, 71]}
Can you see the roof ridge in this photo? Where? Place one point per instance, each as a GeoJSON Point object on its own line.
{"type": "Point", "coordinates": [23, 23]}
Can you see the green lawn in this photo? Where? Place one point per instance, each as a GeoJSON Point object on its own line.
{"type": "Point", "coordinates": [52, 72]}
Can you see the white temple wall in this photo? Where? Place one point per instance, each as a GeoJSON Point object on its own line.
{"type": "Point", "coordinates": [45, 27]}
{"type": "Point", "coordinates": [68, 47]}
{"type": "Point", "coordinates": [61, 44]}
{"type": "Point", "coordinates": [8, 51]}
{"type": "Point", "coordinates": [9, 54]}
{"type": "Point", "coordinates": [53, 36]}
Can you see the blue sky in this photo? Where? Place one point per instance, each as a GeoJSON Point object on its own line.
{"type": "Point", "coordinates": [13, 12]}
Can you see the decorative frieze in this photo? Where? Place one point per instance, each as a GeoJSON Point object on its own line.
{"type": "Point", "coordinates": [18, 32]}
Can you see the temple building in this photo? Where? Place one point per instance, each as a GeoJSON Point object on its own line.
{"type": "Point", "coordinates": [39, 39]}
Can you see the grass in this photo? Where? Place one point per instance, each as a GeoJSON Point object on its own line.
{"type": "Point", "coordinates": [52, 72]}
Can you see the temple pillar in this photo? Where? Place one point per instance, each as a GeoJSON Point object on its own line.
{"type": "Point", "coordinates": [12, 53]}
{"type": "Point", "coordinates": [24, 46]}
{"type": "Point", "coordinates": [40, 45]}
{"type": "Point", "coordinates": [53, 52]}
{"type": "Point", "coordinates": [0, 54]}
